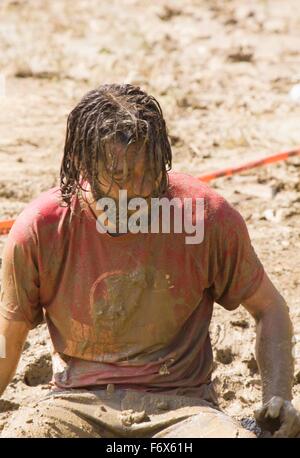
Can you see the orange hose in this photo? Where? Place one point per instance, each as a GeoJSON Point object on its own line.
{"type": "Point", "coordinates": [250, 165]}
{"type": "Point", "coordinates": [5, 226]}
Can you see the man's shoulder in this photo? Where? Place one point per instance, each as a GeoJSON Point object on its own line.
{"type": "Point", "coordinates": [183, 185]}
{"type": "Point", "coordinates": [45, 210]}
{"type": "Point", "coordinates": [220, 216]}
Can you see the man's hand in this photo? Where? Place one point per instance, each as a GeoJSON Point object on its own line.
{"type": "Point", "coordinates": [279, 417]}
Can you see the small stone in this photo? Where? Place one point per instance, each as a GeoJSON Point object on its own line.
{"type": "Point", "coordinates": [224, 355]}
{"type": "Point", "coordinates": [240, 324]}
{"type": "Point", "coordinates": [271, 215]}
{"type": "Point", "coordinates": [229, 395]}
{"type": "Point", "coordinates": [241, 54]}
{"type": "Point", "coordinates": [294, 93]}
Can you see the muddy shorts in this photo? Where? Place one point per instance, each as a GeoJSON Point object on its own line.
{"type": "Point", "coordinates": [121, 413]}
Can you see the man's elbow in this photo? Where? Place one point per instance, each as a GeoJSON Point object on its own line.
{"type": "Point", "coordinates": [277, 309]}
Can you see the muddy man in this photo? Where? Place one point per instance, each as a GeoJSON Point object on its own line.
{"type": "Point", "coordinates": [124, 260]}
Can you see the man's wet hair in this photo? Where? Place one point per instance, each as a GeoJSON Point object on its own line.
{"type": "Point", "coordinates": [113, 114]}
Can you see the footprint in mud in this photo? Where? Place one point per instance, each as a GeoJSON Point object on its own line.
{"type": "Point", "coordinates": [39, 372]}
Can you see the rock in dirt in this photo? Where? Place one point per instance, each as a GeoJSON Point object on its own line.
{"type": "Point", "coordinates": [294, 93]}
{"type": "Point", "coordinates": [224, 355]}
{"type": "Point", "coordinates": [229, 395]}
{"type": "Point", "coordinates": [241, 54]}
{"type": "Point", "coordinates": [168, 13]}
{"type": "Point", "coordinates": [240, 324]}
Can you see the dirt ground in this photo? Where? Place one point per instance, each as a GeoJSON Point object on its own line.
{"type": "Point", "coordinates": [222, 72]}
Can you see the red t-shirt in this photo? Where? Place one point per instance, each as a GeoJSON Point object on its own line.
{"type": "Point", "coordinates": [132, 310]}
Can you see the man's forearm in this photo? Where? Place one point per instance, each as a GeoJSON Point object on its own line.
{"type": "Point", "coordinates": [274, 353]}
{"type": "Point", "coordinates": [7, 370]}
{"type": "Point", "coordinates": [13, 335]}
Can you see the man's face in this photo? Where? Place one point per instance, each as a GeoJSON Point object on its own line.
{"type": "Point", "coordinates": [131, 172]}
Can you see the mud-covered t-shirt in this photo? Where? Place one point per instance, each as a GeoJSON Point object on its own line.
{"type": "Point", "coordinates": [132, 310]}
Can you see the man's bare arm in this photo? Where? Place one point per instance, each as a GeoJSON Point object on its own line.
{"type": "Point", "coordinates": [274, 358]}
{"type": "Point", "coordinates": [273, 340]}
{"type": "Point", "coordinates": [12, 336]}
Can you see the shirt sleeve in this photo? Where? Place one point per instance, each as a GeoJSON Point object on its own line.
{"type": "Point", "coordinates": [236, 270]}
{"type": "Point", "coordinates": [19, 299]}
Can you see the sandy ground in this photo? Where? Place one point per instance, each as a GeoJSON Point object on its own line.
{"type": "Point", "coordinates": [222, 72]}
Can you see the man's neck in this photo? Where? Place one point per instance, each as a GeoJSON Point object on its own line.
{"type": "Point", "coordinates": [89, 199]}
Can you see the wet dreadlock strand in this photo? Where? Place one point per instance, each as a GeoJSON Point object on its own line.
{"type": "Point", "coordinates": [105, 116]}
